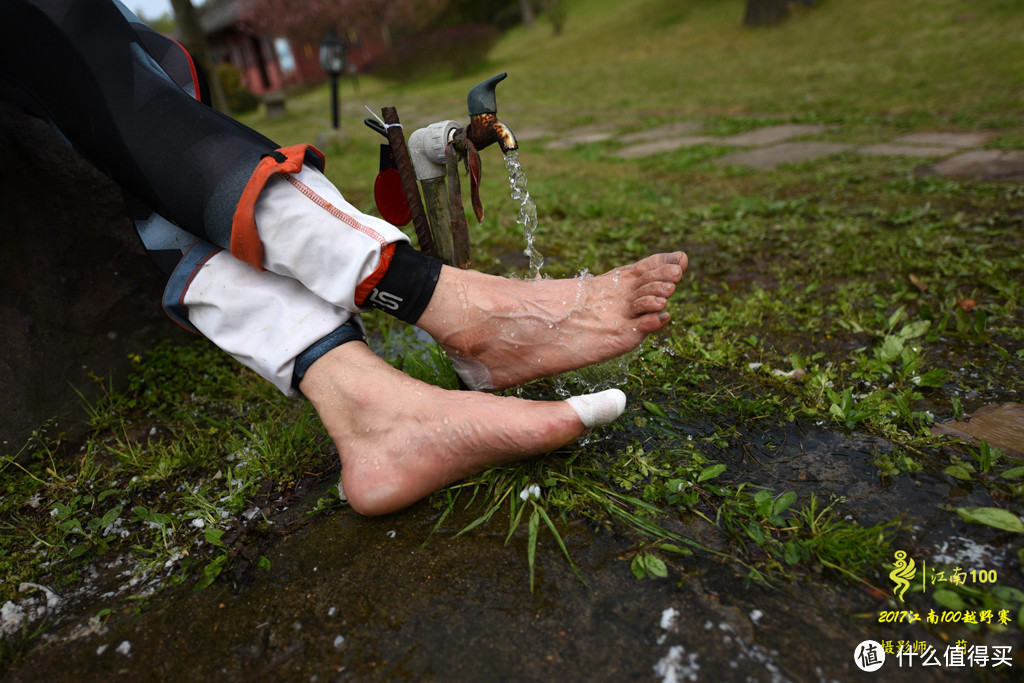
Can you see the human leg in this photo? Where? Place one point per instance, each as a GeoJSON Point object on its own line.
{"type": "Point", "coordinates": [498, 331]}
{"type": "Point", "coordinates": [193, 173]}
{"type": "Point", "coordinates": [502, 332]}
{"type": "Point", "coordinates": [400, 439]}
{"type": "Point", "coordinates": [269, 323]}
{"type": "Point", "coordinates": [114, 99]}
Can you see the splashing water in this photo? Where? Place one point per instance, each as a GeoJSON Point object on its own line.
{"type": "Point", "coordinates": [610, 373]}
{"type": "Point", "coordinates": [527, 212]}
{"type": "Point", "coordinates": [605, 375]}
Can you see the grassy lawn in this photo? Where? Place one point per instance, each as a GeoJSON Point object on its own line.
{"type": "Point", "coordinates": [851, 297]}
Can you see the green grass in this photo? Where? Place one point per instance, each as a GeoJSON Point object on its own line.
{"type": "Point", "coordinates": [172, 462]}
{"type": "Point", "coordinates": [823, 294]}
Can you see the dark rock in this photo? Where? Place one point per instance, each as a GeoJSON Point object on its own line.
{"type": "Point", "coordinates": [78, 293]}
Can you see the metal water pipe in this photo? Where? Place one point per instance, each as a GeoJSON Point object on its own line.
{"type": "Point", "coordinates": [434, 152]}
{"type": "Point", "coordinates": [428, 151]}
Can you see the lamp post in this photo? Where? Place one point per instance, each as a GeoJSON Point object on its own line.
{"type": "Point", "coordinates": [332, 61]}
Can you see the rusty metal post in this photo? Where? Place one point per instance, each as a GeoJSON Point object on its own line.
{"type": "Point", "coordinates": [400, 152]}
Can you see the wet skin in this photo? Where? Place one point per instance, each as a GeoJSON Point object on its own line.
{"type": "Point", "coordinates": [514, 331]}
{"type": "Point", "coordinates": [401, 439]}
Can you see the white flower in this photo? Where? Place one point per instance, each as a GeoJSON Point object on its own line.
{"type": "Point", "coordinates": [531, 490]}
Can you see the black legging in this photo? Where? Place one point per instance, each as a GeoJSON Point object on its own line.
{"type": "Point", "coordinates": [119, 93]}
{"type": "Point", "coordinates": [114, 89]}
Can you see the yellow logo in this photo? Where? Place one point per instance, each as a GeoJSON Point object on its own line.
{"type": "Point", "coordinates": [903, 574]}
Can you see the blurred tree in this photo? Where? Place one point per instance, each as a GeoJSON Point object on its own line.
{"type": "Point", "coordinates": [526, 10]}
{"type": "Point", "coordinates": [555, 11]}
{"type": "Point", "coordinates": [163, 24]}
{"type": "Point", "coordinates": [765, 12]}
{"type": "Point", "coordinates": [310, 20]}
{"type": "Point", "coordinates": [194, 40]}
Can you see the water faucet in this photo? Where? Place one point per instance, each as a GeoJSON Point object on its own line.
{"type": "Point", "coordinates": [484, 127]}
{"type": "Point", "coordinates": [430, 158]}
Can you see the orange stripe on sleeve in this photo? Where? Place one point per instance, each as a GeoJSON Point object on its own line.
{"type": "Point", "coordinates": [245, 240]}
{"type": "Point", "coordinates": [365, 287]}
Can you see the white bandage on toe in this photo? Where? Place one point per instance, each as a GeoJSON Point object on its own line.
{"type": "Point", "coordinates": [598, 409]}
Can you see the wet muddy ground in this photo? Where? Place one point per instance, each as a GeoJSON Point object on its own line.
{"type": "Point", "coordinates": [349, 598]}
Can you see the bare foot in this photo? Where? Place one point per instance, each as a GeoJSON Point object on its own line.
{"type": "Point", "coordinates": [501, 332]}
{"type": "Point", "coordinates": [401, 439]}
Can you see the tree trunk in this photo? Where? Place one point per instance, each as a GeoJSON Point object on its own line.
{"type": "Point", "coordinates": [555, 9]}
{"type": "Point", "coordinates": [766, 12]}
{"type": "Point", "coordinates": [194, 40]}
{"type": "Point", "coordinates": [527, 11]}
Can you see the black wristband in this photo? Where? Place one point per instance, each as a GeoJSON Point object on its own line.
{"type": "Point", "coordinates": [408, 285]}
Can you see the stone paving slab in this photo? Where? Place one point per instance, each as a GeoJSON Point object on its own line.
{"type": "Point", "coordinates": [533, 133]}
{"type": "Point", "coordinates": [674, 129]}
{"type": "Point", "coordinates": [582, 135]}
{"type": "Point", "coordinates": [772, 134]}
{"type": "Point", "coordinates": [772, 147]}
{"type": "Point", "coordinates": [959, 140]}
{"type": "Point", "coordinates": [665, 145]}
{"type": "Point", "coordinates": [984, 164]}
{"type": "Point", "coordinates": [887, 149]}
{"type": "Point", "coordinates": [569, 141]}
{"type": "Point", "coordinates": [767, 158]}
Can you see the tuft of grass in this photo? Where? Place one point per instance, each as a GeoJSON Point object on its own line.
{"type": "Point", "coordinates": [171, 465]}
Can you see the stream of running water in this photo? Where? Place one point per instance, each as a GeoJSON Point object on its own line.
{"type": "Point", "coordinates": [611, 373]}
{"type": "Point", "coordinates": [527, 211]}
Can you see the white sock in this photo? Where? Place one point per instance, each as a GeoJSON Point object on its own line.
{"type": "Point", "coordinates": [598, 409]}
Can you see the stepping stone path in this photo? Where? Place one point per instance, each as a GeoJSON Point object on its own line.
{"type": "Point", "coordinates": [766, 158]}
{"type": "Point", "coordinates": [954, 154]}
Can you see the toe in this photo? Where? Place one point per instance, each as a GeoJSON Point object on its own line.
{"type": "Point", "coordinates": [659, 288]}
{"type": "Point", "coordinates": [647, 304]}
{"type": "Point", "coordinates": [651, 322]}
{"type": "Point", "coordinates": [655, 261]}
{"type": "Point", "coordinates": [667, 272]}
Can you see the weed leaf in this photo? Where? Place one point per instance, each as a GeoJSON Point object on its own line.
{"type": "Point", "coordinates": [655, 409]}
{"type": "Point", "coordinates": [531, 543]}
{"type": "Point", "coordinates": [213, 536]}
{"type": "Point", "coordinates": [638, 566]}
{"type": "Point", "coordinates": [655, 566]}
{"type": "Point", "coordinates": [561, 543]}
{"type": "Point", "coordinates": [993, 517]}
{"type": "Point", "coordinates": [711, 472]}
